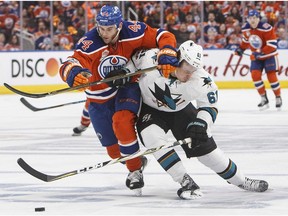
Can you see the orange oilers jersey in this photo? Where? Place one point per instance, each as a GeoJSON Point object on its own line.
{"type": "Point", "coordinates": [92, 53]}
{"type": "Point", "coordinates": [262, 39]}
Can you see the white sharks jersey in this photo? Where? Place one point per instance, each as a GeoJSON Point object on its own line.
{"type": "Point", "coordinates": [171, 95]}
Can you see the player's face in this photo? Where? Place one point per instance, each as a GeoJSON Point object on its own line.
{"type": "Point", "coordinates": [253, 21]}
{"type": "Point", "coordinates": [185, 71]}
{"type": "Point", "coordinates": [107, 33]}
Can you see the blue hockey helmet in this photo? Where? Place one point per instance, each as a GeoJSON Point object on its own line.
{"type": "Point", "coordinates": [253, 13]}
{"type": "Point", "coordinates": [109, 15]}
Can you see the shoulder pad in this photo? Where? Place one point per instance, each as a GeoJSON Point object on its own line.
{"type": "Point", "coordinates": [245, 26]}
{"type": "Point", "coordinates": [265, 26]}
{"type": "Point", "coordinates": [145, 58]}
{"type": "Point", "coordinates": [132, 29]}
{"type": "Point", "coordinates": [90, 42]}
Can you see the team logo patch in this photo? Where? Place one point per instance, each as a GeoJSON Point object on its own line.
{"type": "Point", "coordinates": [99, 135]}
{"type": "Point", "coordinates": [104, 54]}
{"type": "Point", "coordinates": [255, 41]}
{"type": "Point", "coordinates": [207, 81]}
{"type": "Point", "coordinates": [164, 97]}
{"type": "Point", "coordinates": [110, 63]}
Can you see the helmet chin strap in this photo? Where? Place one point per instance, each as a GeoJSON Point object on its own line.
{"type": "Point", "coordinates": [113, 41]}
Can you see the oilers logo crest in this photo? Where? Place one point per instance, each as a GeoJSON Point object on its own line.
{"type": "Point", "coordinates": [255, 41]}
{"type": "Point", "coordinates": [110, 63]}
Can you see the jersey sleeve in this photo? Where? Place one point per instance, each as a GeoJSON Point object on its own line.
{"type": "Point", "coordinates": [81, 57]}
{"type": "Point", "coordinates": [206, 92]}
{"type": "Point", "coordinates": [270, 38]}
{"type": "Point", "coordinates": [245, 42]}
{"type": "Point", "coordinates": [207, 99]}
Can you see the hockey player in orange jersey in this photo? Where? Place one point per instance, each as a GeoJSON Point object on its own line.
{"type": "Point", "coordinates": [261, 39]}
{"type": "Point", "coordinates": [99, 54]}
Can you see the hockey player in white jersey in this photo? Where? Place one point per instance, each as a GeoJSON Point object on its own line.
{"type": "Point", "coordinates": [167, 106]}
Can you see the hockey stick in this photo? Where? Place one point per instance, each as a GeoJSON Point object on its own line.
{"type": "Point", "coordinates": [35, 109]}
{"type": "Point", "coordinates": [41, 95]}
{"type": "Point", "coordinates": [50, 178]}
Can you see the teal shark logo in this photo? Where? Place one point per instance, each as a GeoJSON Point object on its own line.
{"type": "Point", "coordinates": [164, 97]}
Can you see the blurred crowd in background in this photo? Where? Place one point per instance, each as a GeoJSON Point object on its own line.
{"type": "Point", "coordinates": [58, 25]}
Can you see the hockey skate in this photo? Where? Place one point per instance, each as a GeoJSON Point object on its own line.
{"type": "Point", "coordinates": [278, 102]}
{"type": "Point", "coordinates": [78, 130]}
{"type": "Point", "coordinates": [264, 104]}
{"type": "Point", "coordinates": [135, 180]}
{"type": "Point", "coordinates": [189, 189]}
{"type": "Point", "coordinates": [254, 185]}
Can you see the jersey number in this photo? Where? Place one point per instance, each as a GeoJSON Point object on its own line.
{"type": "Point", "coordinates": [212, 97]}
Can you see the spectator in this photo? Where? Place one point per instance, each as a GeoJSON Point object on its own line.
{"type": "Point", "coordinates": [65, 39]}
{"type": "Point", "coordinates": [270, 12]}
{"type": "Point", "coordinates": [191, 25]}
{"type": "Point", "coordinates": [231, 23]}
{"type": "Point", "coordinates": [42, 29]}
{"type": "Point", "coordinates": [7, 19]}
{"type": "Point", "coordinates": [42, 10]}
{"type": "Point", "coordinates": [282, 41]}
{"type": "Point", "coordinates": [176, 12]}
{"type": "Point", "coordinates": [211, 24]}
{"type": "Point", "coordinates": [31, 26]}
{"type": "Point", "coordinates": [30, 12]}
{"type": "Point", "coordinates": [182, 34]}
{"type": "Point", "coordinates": [222, 36]}
{"type": "Point", "coordinates": [42, 36]}
{"type": "Point", "coordinates": [233, 41]}
{"type": "Point", "coordinates": [43, 43]}
{"type": "Point", "coordinates": [281, 21]}
{"type": "Point", "coordinates": [212, 40]}
{"type": "Point", "coordinates": [2, 41]}
{"type": "Point", "coordinates": [210, 8]}
{"type": "Point", "coordinates": [56, 43]}
{"type": "Point", "coordinates": [153, 18]}
{"type": "Point", "coordinates": [193, 37]}
{"type": "Point", "coordinates": [236, 14]}
{"type": "Point", "coordinates": [171, 24]}
{"type": "Point", "coordinates": [14, 44]}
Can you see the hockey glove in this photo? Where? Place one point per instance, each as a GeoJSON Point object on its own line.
{"type": "Point", "coordinates": [120, 81]}
{"type": "Point", "coordinates": [167, 60]}
{"type": "Point", "coordinates": [238, 51]}
{"type": "Point", "coordinates": [78, 76]}
{"type": "Point", "coordinates": [197, 131]}
{"type": "Point", "coordinates": [255, 56]}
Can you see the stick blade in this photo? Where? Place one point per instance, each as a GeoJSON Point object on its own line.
{"type": "Point", "coordinates": [26, 94]}
{"type": "Point", "coordinates": [32, 171]}
{"type": "Point", "coordinates": [28, 105]}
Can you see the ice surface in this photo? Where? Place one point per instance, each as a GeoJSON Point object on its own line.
{"type": "Point", "coordinates": [257, 141]}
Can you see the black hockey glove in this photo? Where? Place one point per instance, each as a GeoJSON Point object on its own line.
{"type": "Point", "coordinates": [120, 81]}
{"type": "Point", "coordinates": [238, 51]}
{"type": "Point", "coordinates": [197, 131]}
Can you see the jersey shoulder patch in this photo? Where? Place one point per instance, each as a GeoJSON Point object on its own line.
{"type": "Point", "coordinates": [265, 26]}
{"type": "Point", "coordinates": [132, 29]}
